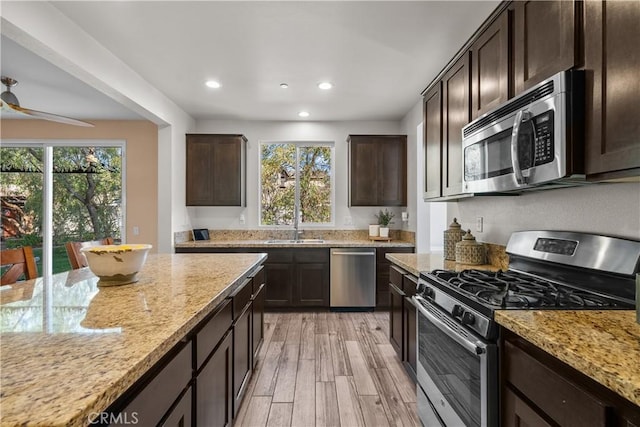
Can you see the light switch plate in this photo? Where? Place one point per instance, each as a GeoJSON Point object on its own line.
{"type": "Point", "coordinates": [479, 224]}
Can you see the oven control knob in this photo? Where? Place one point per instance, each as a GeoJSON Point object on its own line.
{"type": "Point", "coordinates": [468, 318]}
{"type": "Point", "coordinates": [429, 293]}
{"type": "Point", "coordinates": [457, 311]}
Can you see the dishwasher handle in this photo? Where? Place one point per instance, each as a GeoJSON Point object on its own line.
{"type": "Point", "coordinates": [354, 253]}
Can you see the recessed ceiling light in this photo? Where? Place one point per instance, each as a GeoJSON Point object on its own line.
{"type": "Point", "coordinates": [325, 85]}
{"type": "Point", "coordinates": [213, 84]}
{"type": "Point", "coordinates": [284, 85]}
{"type": "Point", "coordinates": [303, 114]}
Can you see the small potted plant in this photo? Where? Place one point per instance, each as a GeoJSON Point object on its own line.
{"type": "Point", "coordinates": [384, 219]}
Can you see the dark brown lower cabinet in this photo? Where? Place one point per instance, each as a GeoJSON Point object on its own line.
{"type": "Point", "coordinates": [154, 400]}
{"type": "Point", "coordinates": [214, 390]}
{"type": "Point", "coordinates": [257, 319]}
{"type": "Point", "coordinates": [396, 299]}
{"type": "Point", "coordinates": [410, 330]}
{"type": "Point", "coordinates": [540, 390]}
{"type": "Point", "coordinates": [180, 415]}
{"type": "Point", "coordinates": [312, 285]}
{"type": "Point", "coordinates": [242, 356]}
{"type": "Point", "coordinates": [382, 273]}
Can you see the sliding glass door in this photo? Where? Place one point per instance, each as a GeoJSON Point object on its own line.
{"type": "Point", "coordinates": [57, 192]}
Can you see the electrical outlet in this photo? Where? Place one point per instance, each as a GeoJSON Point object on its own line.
{"type": "Point", "coordinates": [136, 230]}
{"type": "Point", "coordinates": [242, 219]}
{"type": "Point", "coordinates": [479, 224]}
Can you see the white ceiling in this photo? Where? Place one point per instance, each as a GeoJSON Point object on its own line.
{"type": "Point", "coordinates": [379, 55]}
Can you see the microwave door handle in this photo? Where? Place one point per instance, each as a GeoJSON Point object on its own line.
{"type": "Point", "coordinates": [515, 162]}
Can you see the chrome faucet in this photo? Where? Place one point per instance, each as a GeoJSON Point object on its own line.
{"type": "Point", "coordinates": [296, 223]}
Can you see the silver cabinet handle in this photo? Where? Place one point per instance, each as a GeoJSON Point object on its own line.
{"type": "Point", "coordinates": [353, 253]}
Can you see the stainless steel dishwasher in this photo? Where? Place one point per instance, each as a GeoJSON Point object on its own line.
{"type": "Point", "coordinates": [353, 278]}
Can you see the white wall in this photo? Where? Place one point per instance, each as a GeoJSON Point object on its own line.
{"type": "Point", "coordinates": [610, 209]}
{"type": "Point", "coordinates": [265, 131]}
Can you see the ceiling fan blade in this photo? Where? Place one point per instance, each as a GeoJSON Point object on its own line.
{"type": "Point", "coordinates": [46, 116]}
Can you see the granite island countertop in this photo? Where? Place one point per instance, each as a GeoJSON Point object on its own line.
{"type": "Point", "coordinates": [70, 349]}
{"type": "Point", "coordinates": [604, 345]}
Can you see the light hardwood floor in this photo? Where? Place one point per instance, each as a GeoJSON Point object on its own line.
{"type": "Point", "coordinates": [328, 369]}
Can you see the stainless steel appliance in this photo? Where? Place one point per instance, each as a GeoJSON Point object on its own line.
{"type": "Point", "coordinates": [353, 278]}
{"type": "Point", "coordinates": [457, 336]}
{"type": "Point", "coordinates": [532, 140]}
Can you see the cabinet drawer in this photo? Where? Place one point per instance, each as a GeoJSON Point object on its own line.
{"type": "Point", "coordinates": [212, 332]}
{"type": "Point", "coordinates": [396, 275]}
{"type": "Point", "coordinates": [559, 398]}
{"type": "Point", "coordinates": [312, 255]}
{"type": "Point", "coordinates": [258, 279]}
{"type": "Point", "coordinates": [155, 399]}
{"type": "Point", "coordinates": [241, 297]}
{"type": "Point", "coordinates": [409, 285]}
{"type": "Point", "coordinates": [278, 255]}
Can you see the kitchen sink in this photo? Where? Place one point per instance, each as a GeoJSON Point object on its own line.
{"type": "Point", "coordinates": [283, 241]}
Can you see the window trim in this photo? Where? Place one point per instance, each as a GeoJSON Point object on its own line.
{"type": "Point", "coordinates": [299, 143]}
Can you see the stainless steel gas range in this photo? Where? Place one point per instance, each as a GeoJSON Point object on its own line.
{"type": "Point", "coordinates": [457, 335]}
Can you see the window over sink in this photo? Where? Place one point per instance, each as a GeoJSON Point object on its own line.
{"type": "Point", "coordinates": [296, 177]}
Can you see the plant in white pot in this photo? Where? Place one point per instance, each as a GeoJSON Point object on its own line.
{"type": "Point", "coordinates": [384, 219]}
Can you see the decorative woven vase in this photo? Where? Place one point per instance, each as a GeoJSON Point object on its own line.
{"type": "Point", "coordinates": [468, 251]}
{"type": "Point", "coordinates": [452, 236]}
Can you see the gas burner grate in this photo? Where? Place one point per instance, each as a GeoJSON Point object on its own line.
{"type": "Point", "coordinates": [515, 290]}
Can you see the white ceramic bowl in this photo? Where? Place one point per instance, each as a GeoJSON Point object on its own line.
{"type": "Point", "coordinates": [116, 264]}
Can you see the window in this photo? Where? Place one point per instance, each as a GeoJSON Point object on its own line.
{"type": "Point", "coordinates": [85, 202]}
{"type": "Point", "coordinates": [296, 177]}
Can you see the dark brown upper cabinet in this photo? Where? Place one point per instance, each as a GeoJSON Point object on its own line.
{"type": "Point", "coordinates": [612, 63]}
{"type": "Point", "coordinates": [216, 170]}
{"type": "Point", "coordinates": [433, 142]}
{"type": "Point", "coordinates": [490, 67]}
{"type": "Point", "coordinates": [544, 40]}
{"type": "Point", "coordinates": [455, 115]}
{"type": "Point", "coordinates": [377, 170]}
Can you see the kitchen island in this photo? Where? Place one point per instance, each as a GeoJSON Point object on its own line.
{"type": "Point", "coordinates": [71, 349]}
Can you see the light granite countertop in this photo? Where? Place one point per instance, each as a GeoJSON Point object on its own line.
{"type": "Point", "coordinates": [415, 263]}
{"type": "Point", "coordinates": [69, 348]}
{"type": "Point", "coordinates": [604, 345]}
{"type": "Point", "coordinates": [262, 244]}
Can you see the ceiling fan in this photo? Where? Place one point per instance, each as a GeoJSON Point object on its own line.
{"type": "Point", "coordinates": [10, 103]}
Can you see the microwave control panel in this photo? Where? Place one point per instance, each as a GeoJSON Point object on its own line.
{"type": "Point", "coordinates": [543, 124]}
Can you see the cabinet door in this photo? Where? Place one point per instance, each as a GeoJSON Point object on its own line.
{"type": "Point", "coordinates": [257, 319]}
{"type": "Point", "coordinates": [363, 172]}
{"type": "Point", "coordinates": [242, 354]}
{"type": "Point", "coordinates": [215, 170]}
{"type": "Point", "coordinates": [392, 164]}
{"type": "Point", "coordinates": [410, 337]}
{"type": "Point", "coordinates": [455, 115]}
{"type": "Point", "coordinates": [612, 62]}
{"type": "Point", "coordinates": [490, 67]}
{"type": "Point", "coordinates": [396, 299]}
{"type": "Point", "coordinates": [180, 415]}
{"type": "Point", "coordinates": [312, 285]}
{"type": "Point", "coordinates": [214, 392]}
{"type": "Point", "coordinates": [544, 42]}
{"type": "Point", "coordinates": [279, 291]}
{"type": "Point", "coordinates": [377, 170]}
{"type": "Point", "coordinates": [517, 413]}
{"type": "Point", "coordinates": [433, 142]}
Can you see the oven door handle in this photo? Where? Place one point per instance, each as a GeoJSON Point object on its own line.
{"type": "Point", "coordinates": [475, 347]}
{"type": "Point", "coordinates": [521, 117]}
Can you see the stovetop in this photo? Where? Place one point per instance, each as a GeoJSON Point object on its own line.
{"type": "Point", "coordinates": [515, 290]}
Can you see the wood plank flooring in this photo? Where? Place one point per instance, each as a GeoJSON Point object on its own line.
{"type": "Point", "coordinates": [328, 369]}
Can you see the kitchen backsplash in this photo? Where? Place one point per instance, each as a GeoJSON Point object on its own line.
{"type": "Point", "coordinates": [185, 236]}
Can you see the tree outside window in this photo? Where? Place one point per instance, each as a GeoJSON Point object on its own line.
{"type": "Point", "coordinates": [296, 174]}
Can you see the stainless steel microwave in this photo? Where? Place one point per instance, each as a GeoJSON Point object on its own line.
{"type": "Point", "coordinates": [532, 141]}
